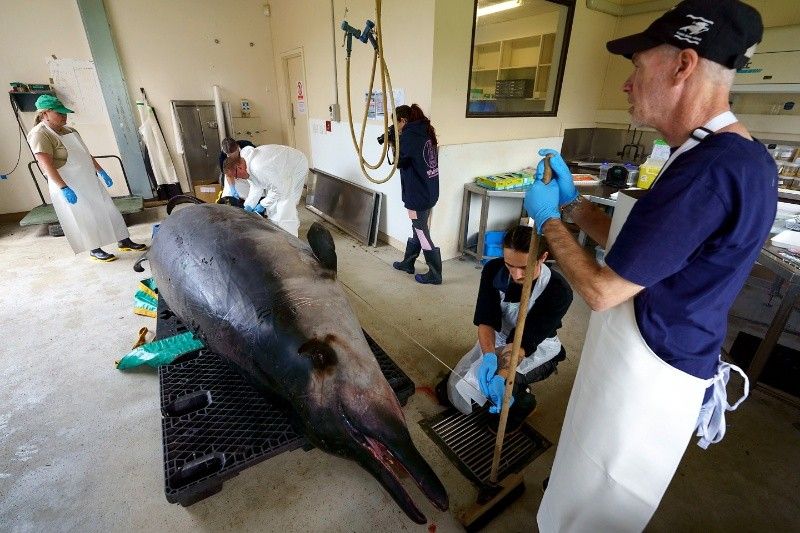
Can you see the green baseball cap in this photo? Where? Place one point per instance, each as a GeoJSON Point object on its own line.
{"type": "Point", "coordinates": [48, 101]}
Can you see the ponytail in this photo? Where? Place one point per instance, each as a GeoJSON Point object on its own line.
{"type": "Point", "coordinates": [414, 113]}
{"type": "Point", "coordinates": [39, 115]}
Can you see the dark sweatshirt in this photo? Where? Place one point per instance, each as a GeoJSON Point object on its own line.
{"type": "Point", "coordinates": [543, 319]}
{"type": "Point", "coordinates": [419, 167]}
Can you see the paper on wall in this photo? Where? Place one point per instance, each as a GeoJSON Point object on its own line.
{"type": "Point", "coordinates": [376, 102]}
{"type": "Point", "coordinates": [76, 84]}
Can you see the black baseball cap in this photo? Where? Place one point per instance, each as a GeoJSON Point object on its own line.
{"type": "Point", "coordinates": [723, 31]}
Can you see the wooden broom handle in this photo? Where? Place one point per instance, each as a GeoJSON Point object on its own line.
{"type": "Point", "coordinates": [520, 328]}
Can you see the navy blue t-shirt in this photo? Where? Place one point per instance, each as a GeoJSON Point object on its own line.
{"type": "Point", "coordinates": [419, 167]}
{"type": "Point", "coordinates": [692, 241]}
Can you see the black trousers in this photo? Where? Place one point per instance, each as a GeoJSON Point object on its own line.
{"type": "Point", "coordinates": [419, 229]}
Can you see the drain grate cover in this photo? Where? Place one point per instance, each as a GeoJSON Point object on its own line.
{"type": "Point", "coordinates": [470, 445]}
{"type": "Point", "coordinates": [215, 424]}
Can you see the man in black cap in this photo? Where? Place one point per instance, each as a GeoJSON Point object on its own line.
{"type": "Point", "coordinates": [650, 372]}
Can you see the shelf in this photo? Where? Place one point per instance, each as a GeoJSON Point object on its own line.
{"type": "Point", "coordinates": [484, 70]}
{"type": "Point", "coordinates": [528, 67]}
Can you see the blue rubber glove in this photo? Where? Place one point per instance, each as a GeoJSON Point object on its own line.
{"type": "Point", "coordinates": [541, 202]}
{"type": "Point", "coordinates": [234, 193]}
{"type": "Point", "coordinates": [249, 209]}
{"type": "Point", "coordinates": [69, 194]}
{"type": "Point", "coordinates": [260, 209]}
{"type": "Point", "coordinates": [486, 371]}
{"type": "Point", "coordinates": [563, 177]}
{"type": "Point", "coordinates": [497, 388]}
{"type": "Point", "coordinates": [106, 178]}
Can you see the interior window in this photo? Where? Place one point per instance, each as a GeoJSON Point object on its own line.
{"type": "Point", "coordinates": [519, 48]}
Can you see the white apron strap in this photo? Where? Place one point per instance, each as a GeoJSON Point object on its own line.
{"type": "Point", "coordinates": [711, 422]}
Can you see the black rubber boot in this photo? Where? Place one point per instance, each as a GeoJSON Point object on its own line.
{"type": "Point", "coordinates": [434, 274]}
{"type": "Point", "coordinates": [127, 245]}
{"type": "Point", "coordinates": [98, 254]}
{"type": "Point", "coordinates": [412, 252]}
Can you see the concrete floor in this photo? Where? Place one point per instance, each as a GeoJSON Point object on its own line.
{"type": "Point", "coordinates": [81, 441]}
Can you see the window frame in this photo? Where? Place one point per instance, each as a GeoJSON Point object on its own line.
{"type": "Point", "coordinates": [570, 5]}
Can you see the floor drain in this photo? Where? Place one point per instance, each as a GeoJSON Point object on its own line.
{"type": "Point", "coordinates": [469, 445]}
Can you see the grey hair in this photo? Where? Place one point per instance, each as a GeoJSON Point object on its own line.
{"type": "Point", "coordinates": [713, 72]}
{"type": "Point", "coordinates": [717, 73]}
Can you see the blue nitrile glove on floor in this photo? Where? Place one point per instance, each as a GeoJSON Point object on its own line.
{"type": "Point", "coordinates": [106, 178]}
{"type": "Point", "coordinates": [566, 186]}
{"type": "Point", "coordinates": [486, 371]}
{"type": "Point", "coordinates": [541, 202]}
{"type": "Point", "coordinates": [260, 209]}
{"type": "Point", "coordinates": [69, 194]}
{"type": "Point", "coordinates": [497, 388]}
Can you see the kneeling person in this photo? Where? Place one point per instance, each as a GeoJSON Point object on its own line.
{"type": "Point", "coordinates": [482, 372]}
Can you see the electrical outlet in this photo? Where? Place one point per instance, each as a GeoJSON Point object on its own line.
{"type": "Point", "coordinates": [333, 109]}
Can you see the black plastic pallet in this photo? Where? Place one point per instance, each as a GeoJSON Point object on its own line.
{"type": "Point", "coordinates": [215, 424]}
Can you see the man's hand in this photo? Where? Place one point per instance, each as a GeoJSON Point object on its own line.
{"type": "Point", "coordinates": [486, 371]}
{"type": "Point", "coordinates": [566, 186]}
{"type": "Point", "coordinates": [497, 388]}
{"type": "Point", "coordinates": [541, 202]}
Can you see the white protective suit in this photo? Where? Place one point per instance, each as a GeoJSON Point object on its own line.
{"type": "Point", "coordinates": [279, 173]}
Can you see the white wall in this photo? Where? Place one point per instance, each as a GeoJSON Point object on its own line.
{"type": "Point", "coordinates": [169, 49]}
{"type": "Point", "coordinates": [29, 37]}
{"type": "Point", "coordinates": [408, 43]}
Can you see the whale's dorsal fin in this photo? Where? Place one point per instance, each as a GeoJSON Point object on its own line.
{"type": "Point", "coordinates": [321, 242]}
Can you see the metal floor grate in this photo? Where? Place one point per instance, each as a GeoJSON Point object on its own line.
{"type": "Point", "coordinates": [469, 445]}
{"type": "Point", "coordinates": [215, 424]}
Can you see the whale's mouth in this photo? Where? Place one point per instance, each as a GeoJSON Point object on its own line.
{"type": "Point", "coordinates": [390, 467]}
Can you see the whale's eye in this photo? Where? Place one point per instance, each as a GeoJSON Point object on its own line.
{"type": "Point", "coordinates": [322, 356]}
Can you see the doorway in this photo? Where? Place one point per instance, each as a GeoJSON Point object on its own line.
{"type": "Point", "coordinates": [297, 96]}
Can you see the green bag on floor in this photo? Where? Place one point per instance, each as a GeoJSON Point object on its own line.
{"type": "Point", "coordinates": [161, 352]}
{"type": "Point", "coordinates": [146, 298]}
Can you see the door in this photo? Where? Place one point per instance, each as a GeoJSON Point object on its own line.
{"type": "Point", "coordinates": [294, 71]}
{"type": "Point", "coordinates": [198, 129]}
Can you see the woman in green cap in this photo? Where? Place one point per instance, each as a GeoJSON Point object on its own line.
{"type": "Point", "coordinates": [85, 210]}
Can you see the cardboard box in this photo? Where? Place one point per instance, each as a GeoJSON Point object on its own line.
{"type": "Point", "coordinates": [208, 193]}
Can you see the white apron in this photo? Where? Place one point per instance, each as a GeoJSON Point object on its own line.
{"type": "Point", "coordinates": [629, 419]}
{"type": "Point", "coordinates": [463, 388]}
{"type": "Point", "coordinates": [93, 221]}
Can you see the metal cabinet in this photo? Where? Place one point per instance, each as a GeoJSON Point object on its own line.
{"type": "Point", "coordinates": [199, 133]}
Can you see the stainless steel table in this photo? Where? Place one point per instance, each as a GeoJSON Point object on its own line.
{"type": "Point", "coordinates": [599, 194]}
{"type": "Point", "coordinates": [486, 196]}
{"type": "Point", "coordinates": [790, 274]}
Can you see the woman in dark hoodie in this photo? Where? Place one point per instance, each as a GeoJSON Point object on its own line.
{"type": "Point", "coordinates": [418, 162]}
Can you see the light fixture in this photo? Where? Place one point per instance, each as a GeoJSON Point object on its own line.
{"type": "Point", "coordinates": [500, 6]}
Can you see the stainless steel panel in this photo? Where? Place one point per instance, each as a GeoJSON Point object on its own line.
{"type": "Point", "coordinates": [208, 123]}
{"type": "Point", "coordinates": [194, 155]}
{"type": "Point", "coordinates": [351, 207]}
{"type": "Point", "coordinates": [198, 129]}
{"type": "Point", "coordinates": [606, 144]}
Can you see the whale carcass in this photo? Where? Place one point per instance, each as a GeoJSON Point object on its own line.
{"type": "Point", "coordinates": [271, 305]}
